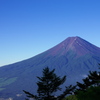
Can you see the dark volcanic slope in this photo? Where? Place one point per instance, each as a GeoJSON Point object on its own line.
{"type": "Point", "coordinates": [73, 57]}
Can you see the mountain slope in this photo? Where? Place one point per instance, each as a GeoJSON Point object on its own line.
{"type": "Point", "coordinates": [73, 57]}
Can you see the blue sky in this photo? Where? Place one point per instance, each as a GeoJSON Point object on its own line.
{"type": "Point", "coordinates": [30, 27]}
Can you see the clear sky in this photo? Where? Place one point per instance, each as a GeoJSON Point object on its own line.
{"type": "Point", "coordinates": [30, 27]}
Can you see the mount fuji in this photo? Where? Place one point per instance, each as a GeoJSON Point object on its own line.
{"type": "Point", "coordinates": [74, 57]}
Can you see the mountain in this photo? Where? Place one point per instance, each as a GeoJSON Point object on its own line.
{"type": "Point", "coordinates": [74, 57]}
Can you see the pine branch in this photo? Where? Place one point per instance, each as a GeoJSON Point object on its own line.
{"type": "Point", "coordinates": [28, 94]}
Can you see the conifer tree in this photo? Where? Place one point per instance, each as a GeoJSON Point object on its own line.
{"type": "Point", "coordinates": [48, 84]}
{"type": "Point", "coordinates": [90, 88]}
{"type": "Point", "coordinates": [93, 79]}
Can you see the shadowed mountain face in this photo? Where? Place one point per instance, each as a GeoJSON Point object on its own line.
{"type": "Point", "coordinates": [73, 57]}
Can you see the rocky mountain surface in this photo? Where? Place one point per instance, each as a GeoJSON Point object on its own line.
{"type": "Point", "coordinates": [74, 57]}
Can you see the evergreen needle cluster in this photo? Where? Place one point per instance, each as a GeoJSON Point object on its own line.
{"type": "Point", "coordinates": [48, 84]}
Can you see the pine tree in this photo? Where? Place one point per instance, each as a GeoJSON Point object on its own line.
{"type": "Point", "coordinates": [69, 90]}
{"type": "Point", "coordinates": [93, 79]}
{"type": "Point", "coordinates": [48, 84]}
{"type": "Point", "coordinates": [90, 88]}
{"type": "Point", "coordinates": [86, 83]}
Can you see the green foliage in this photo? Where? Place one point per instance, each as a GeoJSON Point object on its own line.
{"type": "Point", "coordinates": [90, 88]}
{"type": "Point", "coordinates": [69, 90]}
{"type": "Point", "coordinates": [71, 97]}
{"type": "Point", "coordinates": [93, 79]}
{"type": "Point", "coordinates": [92, 93]}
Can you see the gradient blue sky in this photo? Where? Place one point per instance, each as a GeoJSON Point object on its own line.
{"type": "Point", "coordinates": [29, 27]}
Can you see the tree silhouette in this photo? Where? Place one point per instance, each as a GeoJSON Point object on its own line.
{"type": "Point", "coordinates": [91, 93]}
{"type": "Point", "coordinates": [90, 88]}
{"type": "Point", "coordinates": [93, 79]}
{"type": "Point", "coordinates": [48, 84]}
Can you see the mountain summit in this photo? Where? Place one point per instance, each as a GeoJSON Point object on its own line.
{"type": "Point", "coordinates": [77, 45]}
{"type": "Point", "coordinates": [74, 57]}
